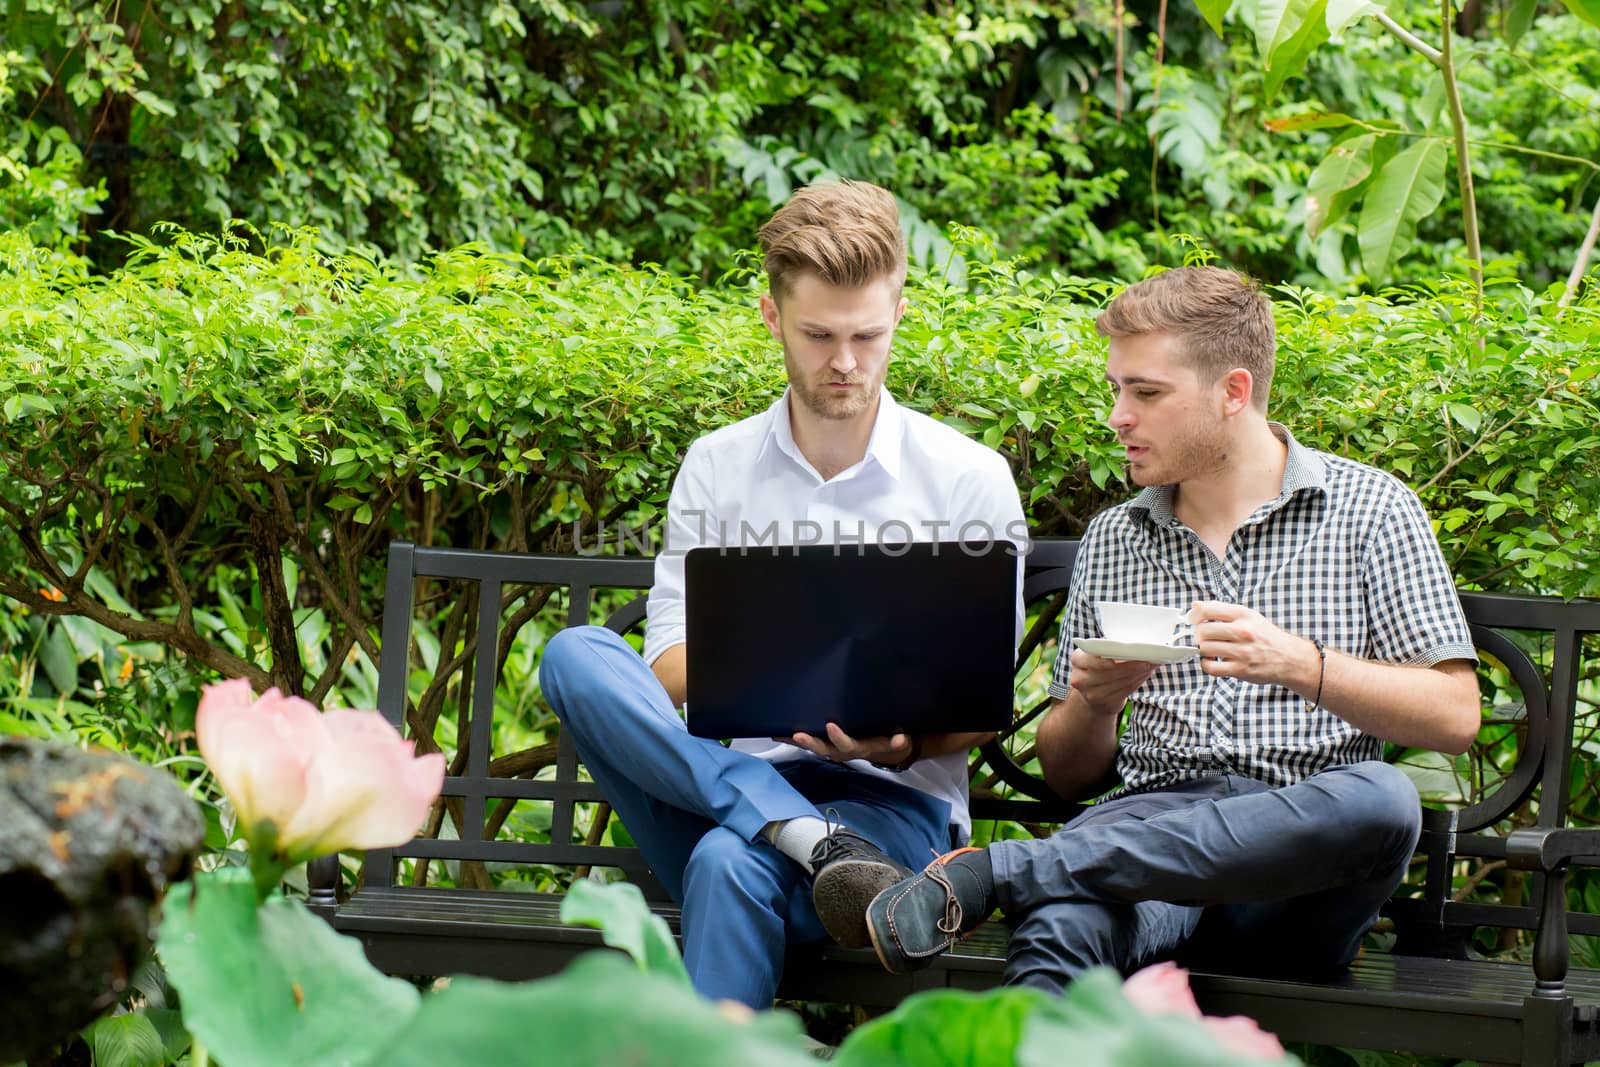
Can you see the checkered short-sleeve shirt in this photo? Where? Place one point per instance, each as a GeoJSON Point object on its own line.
{"type": "Point", "coordinates": [1344, 554]}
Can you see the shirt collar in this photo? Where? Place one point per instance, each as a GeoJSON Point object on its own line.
{"type": "Point", "coordinates": [884, 446]}
{"type": "Point", "coordinates": [1302, 470]}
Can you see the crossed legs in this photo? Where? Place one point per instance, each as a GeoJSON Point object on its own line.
{"type": "Point", "coordinates": [1278, 878]}
{"type": "Point", "coordinates": [1222, 871]}
{"type": "Point", "coordinates": [697, 810]}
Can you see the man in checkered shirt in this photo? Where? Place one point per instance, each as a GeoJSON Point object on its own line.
{"type": "Point", "coordinates": [1255, 823]}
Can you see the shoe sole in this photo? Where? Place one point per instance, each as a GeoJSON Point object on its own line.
{"type": "Point", "coordinates": [841, 894]}
{"type": "Point", "coordinates": [877, 949]}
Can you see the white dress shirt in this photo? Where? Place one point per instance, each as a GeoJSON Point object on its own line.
{"type": "Point", "coordinates": [920, 480]}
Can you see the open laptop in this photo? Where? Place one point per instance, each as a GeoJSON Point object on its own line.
{"type": "Point", "coordinates": [881, 639]}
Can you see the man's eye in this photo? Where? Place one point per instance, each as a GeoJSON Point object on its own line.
{"type": "Point", "coordinates": [817, 336]}
{"type": "Point", "coordinates": [1146, 394]}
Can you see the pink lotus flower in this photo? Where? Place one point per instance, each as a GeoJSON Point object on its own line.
{"type": "Point", "coordinates": [1163, 989]}
{"type": "Point", "coordinates": [304, 782]}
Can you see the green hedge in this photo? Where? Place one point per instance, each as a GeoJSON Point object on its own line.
{"type": "Point", "coordinates": [177, 433]}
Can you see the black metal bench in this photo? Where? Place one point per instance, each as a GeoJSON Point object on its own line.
{"type": "Point", "coordinates": [1425, 996]}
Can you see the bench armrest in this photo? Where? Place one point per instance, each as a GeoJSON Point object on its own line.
{"type": "Point", "coordinates": [322, 884]}
{"type": "Point", "coordinates": [1551, 851]}
{"type": "Point", "coordinates": [1547, 849]}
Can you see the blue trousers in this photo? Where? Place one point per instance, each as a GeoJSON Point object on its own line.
{"type": "Point", "coordinates": [1221, 871]}
{"type": "Point", "coordinates": [696, 811]}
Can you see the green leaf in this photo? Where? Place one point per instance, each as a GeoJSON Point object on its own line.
{"type": "Point", "coordinates": [1341, 13]}
{"type": "Point", "coordinates": [1212, 11]}
{"type": "Point", "coordinates": [1307, 29]}
{"type": "Point", "coordinates": [600, 1010]}
{"type": "Point", "coordinates": [1404, 192]}
{"type": "Point", "coordinates": [1330, 191]}
{"type": "Point", "coordinates": [1317, 120]}
{"type": "Point", "coordinates": [169, 1024]}
{"type": "Point", "coordinates": [1518, 19]}
{"type": "Point", "coordinates": [266, 986]}
{"type": "Point", "coordinates": [946, 1026]}
{"type": "Point", "coordinates": [625, 922]}
{"type": "Point", "coordinates": [59, 659]}
{"type": "Point", "coordinates": [1587, 10]}
{"type": "Point", "coordinates": [1277, 21]}
{"type": "Point", "coordinates": [126, 1041]}
{"type": "Point", "coordinates": [1467, 415]}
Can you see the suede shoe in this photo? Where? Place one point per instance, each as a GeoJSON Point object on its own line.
{"type": "Point", "coordinates": [850, 871]}
{"type": "Point", "coordinates": [912, 922]}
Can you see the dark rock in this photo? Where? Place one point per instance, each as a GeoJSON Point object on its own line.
{"type": "Point", "coordinates": [89, 842]}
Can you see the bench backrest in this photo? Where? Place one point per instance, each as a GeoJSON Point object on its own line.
{"type": "Point", "coordinates": [1532, 658]}
{"type": "Point", "coordinates": [1532, 649]}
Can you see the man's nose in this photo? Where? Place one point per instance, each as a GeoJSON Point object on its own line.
{"type": "Point", "coordinates": [844, 360]}
{"type": "Point", "coordinates": [1121, 418]}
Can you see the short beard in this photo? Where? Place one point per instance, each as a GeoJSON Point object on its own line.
{"type": "Point", "coordinates": [823, 405]}
{"type": "Point", "coordinates": [1202, 454]}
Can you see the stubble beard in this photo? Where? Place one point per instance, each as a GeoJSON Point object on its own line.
{"type": "Point", "coordinates": [1195, 452]}
{"type": "Point", "coordinates": [828, 405]}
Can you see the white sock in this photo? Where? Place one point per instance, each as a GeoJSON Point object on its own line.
{"type": "Point", "coordinates": [796, 838]}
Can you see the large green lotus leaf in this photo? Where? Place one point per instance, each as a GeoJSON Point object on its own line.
{"type": "Point", "coordinates": [946, 1026]}
{"type": "Point", "coordinates": [625, 922]}
{"type": "Point", "coordinates": [601, 1010]}
{"type": "Point", "coordinates": [1094, 1025]}
{"type": "Point", "coordinates": [274, 985]}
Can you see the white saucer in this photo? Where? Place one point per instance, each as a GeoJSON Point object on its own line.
{"type": "Point", "coordinates": [1147, 652]}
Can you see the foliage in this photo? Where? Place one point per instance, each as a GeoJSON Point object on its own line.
{"type": "Point", "coordinates": [213, 417]}
{"type": "Point", "coordinates": [1394, 165]}
{"type": "Point", "coordinates": [269, 982]}
{"type": "Point", "coordinates": [663, 132]}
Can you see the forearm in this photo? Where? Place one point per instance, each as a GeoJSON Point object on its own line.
{"type": "Point", "coordinates": [1419, 707]}
{"type": "Point", "coordinates": [1077, 745]}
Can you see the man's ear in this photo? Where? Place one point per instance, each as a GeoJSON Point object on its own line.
{"type": "Point", "coordinates": [899, 310]}
{"type": "Point", "coordinates": [769, 315]}
{"type": "Point", "coordinates": [1238, 385]}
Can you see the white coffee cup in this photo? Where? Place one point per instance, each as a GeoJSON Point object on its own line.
{"type": "Point", "coordinates": [1141, 624]}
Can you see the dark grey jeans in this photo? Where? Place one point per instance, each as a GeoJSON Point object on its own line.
{"type": "Point", "coordinates": [1221, 871]}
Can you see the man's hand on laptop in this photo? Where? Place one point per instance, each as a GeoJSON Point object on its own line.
{"type": "Point", "coordinates": [840, 747]}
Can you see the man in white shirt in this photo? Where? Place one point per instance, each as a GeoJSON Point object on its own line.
{"type": "Point", "coordinates": [773, 842]}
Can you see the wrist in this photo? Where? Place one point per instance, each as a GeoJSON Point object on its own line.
{"type": "Point", "coordinates": [1315, 674]}
{"type": "Point", "coordinates": [912, 755]}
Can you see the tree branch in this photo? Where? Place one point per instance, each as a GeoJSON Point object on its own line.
{"type": "Point", "coordinates": [1411, 41]}
{"type": "Point", "coordinates": [1581, 266]}
{"type": "Point", "coordinates": [1458, 125]}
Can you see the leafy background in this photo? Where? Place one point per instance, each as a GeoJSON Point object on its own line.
{"type": "Point", "coordinates": [280, 284]}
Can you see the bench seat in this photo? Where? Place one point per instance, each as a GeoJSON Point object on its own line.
{"type": "Point", "coordinates": [1450, 1004]}
{"type": "Point", "coordinates": [1426, 1000]}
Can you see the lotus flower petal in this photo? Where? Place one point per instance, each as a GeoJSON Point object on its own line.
{"type": "Point", "coordinates": [1162, 989]}
{"type": "Point", "coordinates": [260, 750]}
{"type": "Point", "coordinates": [1244, 1037]}
{"type": "Point", "coordinates": [367, 790]}
{"type": "Point", "coordinates": [345, 779]}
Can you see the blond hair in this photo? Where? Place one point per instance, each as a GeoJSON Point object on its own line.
{"type": "Point", "coordinates": [846, 233]}
{"type": "Point", "coordinates": [1220, 316]}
